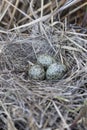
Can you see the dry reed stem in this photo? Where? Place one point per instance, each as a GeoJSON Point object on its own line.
{"type": "Point", "coordinates": [13, 13]}
{"type": "Point", "coordinates": [61, 116]}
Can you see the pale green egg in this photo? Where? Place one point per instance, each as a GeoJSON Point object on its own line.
{"type": "Point", "coordinates": [45, 60]}
{"type": "Point", "coordinates": [37, 72]}
{"type": "Point", "coordinates": [55, 71]}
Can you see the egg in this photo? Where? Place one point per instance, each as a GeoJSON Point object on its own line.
{"type": "Point", "coordinates": [37, 72]}
{"type": "Point", "coordinates": [55, 71]}
{"type": "Point", "coordinates": [45, 60]}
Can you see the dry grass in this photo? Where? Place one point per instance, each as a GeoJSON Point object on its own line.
{"type": "Point", "coordinates": [42, 105]}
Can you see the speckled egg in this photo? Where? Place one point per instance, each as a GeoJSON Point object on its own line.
{"type": "Point", "coordinates": [45, 60]}
{"type": "Point", "coordinates": [37, 72]}
{"type": "Point", "coordinates": [55, 71]}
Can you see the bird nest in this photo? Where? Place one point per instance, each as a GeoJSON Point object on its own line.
{"type": "Point", "coordinates": [27, 104]}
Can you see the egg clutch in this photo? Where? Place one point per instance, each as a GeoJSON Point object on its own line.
{"type": "Point", "coordinates": [48, 68]}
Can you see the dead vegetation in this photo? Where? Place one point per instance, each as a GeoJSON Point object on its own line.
{"type": "Point", "coordinates": [29, 28]}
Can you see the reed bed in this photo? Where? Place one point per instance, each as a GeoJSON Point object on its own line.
{"type": "Point", "coordinates": [30, 28]}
